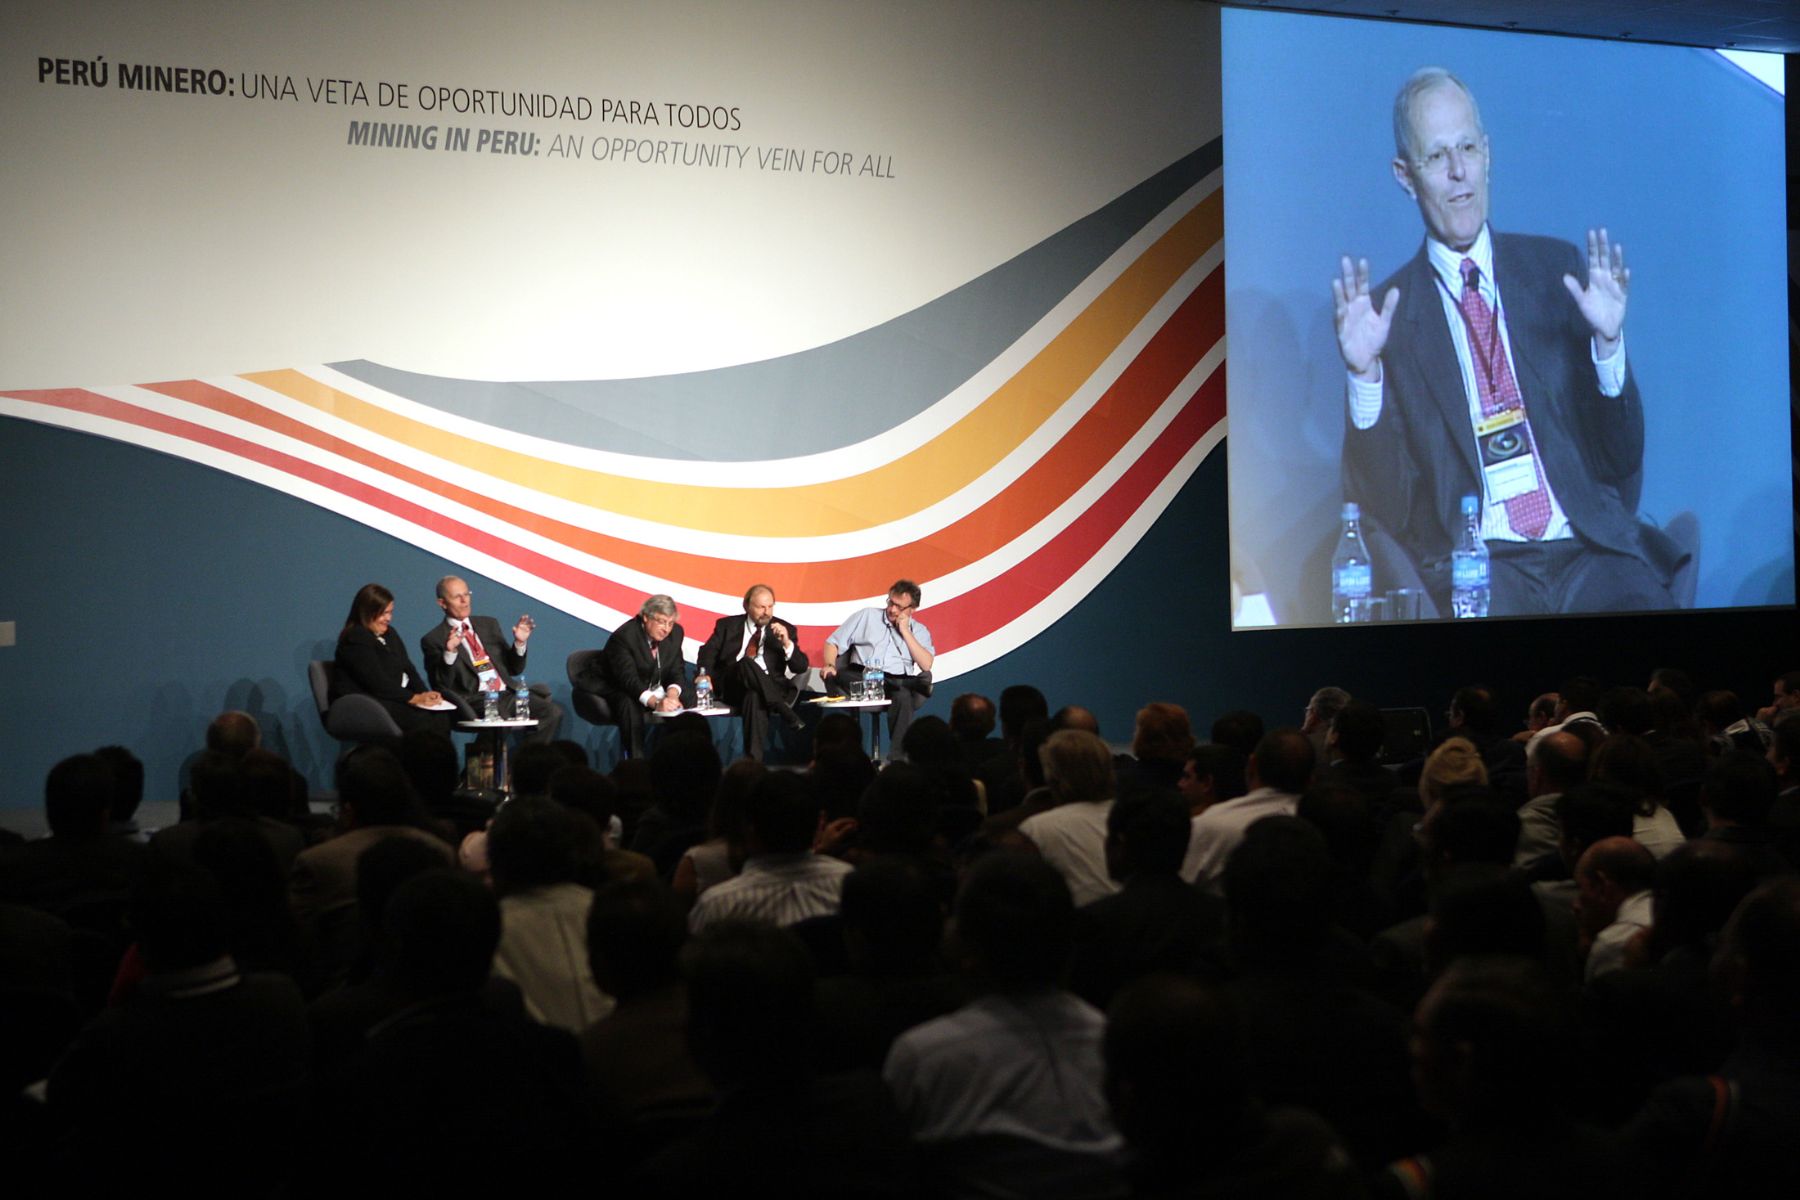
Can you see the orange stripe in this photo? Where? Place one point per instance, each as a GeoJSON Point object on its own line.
{"type": "Point", "coordinates": [1096, 437]}
{"type": "Point", "coordinates": [884, 493]}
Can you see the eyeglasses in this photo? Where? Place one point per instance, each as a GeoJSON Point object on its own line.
{"type": "Point", "coordinates": [1438, 161]}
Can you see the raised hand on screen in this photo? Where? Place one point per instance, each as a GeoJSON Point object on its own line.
{"type": "Point", "coordinates": [1602, 298]}
{"type": "Point", "coordinates": [1362, 328]}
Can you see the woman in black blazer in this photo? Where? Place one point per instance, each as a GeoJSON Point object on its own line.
{"type": "Point", "coordinates": [372, 661]}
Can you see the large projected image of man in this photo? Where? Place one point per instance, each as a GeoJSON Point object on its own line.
{"type": "Point", "coordinates": [1494, 365]}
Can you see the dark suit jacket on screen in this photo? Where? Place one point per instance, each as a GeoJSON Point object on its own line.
{"type": "Point", "coordinates": [1410, 470]}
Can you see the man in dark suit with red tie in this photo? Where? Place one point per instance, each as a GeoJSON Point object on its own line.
{"type": "Point", "coordinates": [752, 659]}
{"type": "Point", "coordinates": [1493, 365]}
{"type": "Point", "coordinates": [467, 655]}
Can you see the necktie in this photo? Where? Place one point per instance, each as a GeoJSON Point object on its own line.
{"type": "Point", "coordinates": [1529, 513]}
{"type": "Point", "coordinates": [476, 653]}
{"type": "Point", "coordinates": [754, 646]}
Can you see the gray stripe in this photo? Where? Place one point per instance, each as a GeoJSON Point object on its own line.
{"type": "Point", "coordinates": [892, 372]}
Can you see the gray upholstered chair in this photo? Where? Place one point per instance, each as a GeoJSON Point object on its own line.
{"type": "Point", "coordinates": [352, 719]}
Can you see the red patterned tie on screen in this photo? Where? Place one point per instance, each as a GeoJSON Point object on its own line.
{"type": "Point", "coordinates": [1528, 514]}
{"type": "Point", "coordinates": [754, 646]}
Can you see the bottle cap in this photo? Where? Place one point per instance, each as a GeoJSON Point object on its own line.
{"type": "Point", "coordinates": [1470, 506]}
{"type": "Point", "coordinates": [1351, 510]}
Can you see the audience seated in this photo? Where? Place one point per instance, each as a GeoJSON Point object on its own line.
{"type": "Point", "coordinates": [1627, 761]}
{"type": "Point", "coordinates": [1183, 1092]}
{"type": "Point", "coordinates": [1473, 717]}
{"type": "Point", "coordinates": [342, 1017]}
{"type": "Point", "coordinates": [1730, 1133]}
{"type": "Point", "coordinates": [1662, 1017]}
{"type": "Point", "coordinates": [871, 998]}
{"type": "Point", "coordinates": [1239, 729]}
{"type": "Point", "coordinates": [1005, 1095]}
{"type": "Point", "coordinates": [642, 1079]}
{"type": "Point", "coordinates": [1612, 903]}
{"type": "Point", "coordinates": [1737, 798]}
{"type": "Point", "coordinates": [684, 774]}
{"type": "Point", "coordinates": [891, 919]}
{"type": "Point", "coordinates": [1003, 777]}
{"type": "Point", "coordinates": [783, 881]}
{"type": "Point", "coordinates": [1211, 774]}
{"type": "Point", "coordinates": [544, 859]}
{"type": "Point", "coordinates": [1160, 741]}
{"type": "Point", "coordinates": [201, 1051]}
{"type": "Point", "coordinates": [1557, 762]}
{"type": "Point", "coordinates": [375, 802]}
{"type": "Point", "coordinates": [450, 1095]}
{"type": "Point", "coordinates": [128, 793]}
{"type": "Point", "coordinates": [1156, 922]}
{"type": "Point", "coordinates": [1494, 1057]}
{"type": "Point", "coordinates": [721, 855]}
{"type": "Point", "coordinates": [1072, 835]}
{"type": "Point", "coordinates": [1353, 747]}
{"type": "Point", "coordinates": [972, 721]}
{"type": "Point", "coordinates": [218, 790]}
{"type": "Point", "coordinates": [1317, 1038]}
{"type": "Point", "coordinates": [778, 1125]}
{"type": "Point", "coordinates": [1277, 772]}
{"type": "Point", "coordinates": [78, 872]}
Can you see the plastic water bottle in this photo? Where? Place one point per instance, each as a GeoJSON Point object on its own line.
{"type": "Point", "coordinates": [875, 683]}
{"type": "Point", "coordinates": [1469, 576]}
{"type": "Point", "coordinates": [703, 689]}
{"type": "Point", "coordinates": [1352, 578]}
{"type": "Point", "coordinates": [521, 700]}
{"type": "Point", "coordinates": [490, 706]}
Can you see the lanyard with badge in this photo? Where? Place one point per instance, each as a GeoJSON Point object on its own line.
{"type": "Point", "coordinates": [478, 657]}
{"type": "Point", "coordinates": [1502, 437]}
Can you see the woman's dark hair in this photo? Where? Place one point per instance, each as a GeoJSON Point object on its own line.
{"type": "Point", "coordinates": [370, 599]}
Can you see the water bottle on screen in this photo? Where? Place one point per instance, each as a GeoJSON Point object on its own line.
{"type": "Point", "coordinates": [521, 700]}
{"type": "Point", "coordinates": [1469, 565]}
{"type": "Point", "coordinates": [1352, 578]}
{"type": "Point", "coordinates": [703, 689]}
{"type": "Point", "coordinates": [875, 684]}
{"type": "Point", "coordinates": [490, 705]}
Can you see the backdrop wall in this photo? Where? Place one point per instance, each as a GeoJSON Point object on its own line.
{"type": "Point", "coordinates": [585, 302]}
{"type": "Point", "coordinates": [265, 344]}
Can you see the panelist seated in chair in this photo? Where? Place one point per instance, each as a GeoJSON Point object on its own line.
{"type": "Point", "coordinates": [753, 659]}
{"type": "Point", "coordinates": [888, 640]}
{"type": "Point", "coordinates": [640, 671]}
{"type": "Point", "coordinates": [372, 661]}
{"type": "Point", "coordinates": [466, 656]}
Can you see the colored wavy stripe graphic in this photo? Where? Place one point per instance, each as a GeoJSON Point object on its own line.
{"type": "Point", "coordinates": [1008, 498]}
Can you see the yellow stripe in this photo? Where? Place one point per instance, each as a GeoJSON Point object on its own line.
{"type": "Point", "coordinates": [885, 492]}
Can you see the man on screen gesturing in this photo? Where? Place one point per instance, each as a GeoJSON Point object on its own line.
{"type": "Point", "coordinates": [1494, 365]}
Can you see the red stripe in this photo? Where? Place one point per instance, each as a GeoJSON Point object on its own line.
{"type": "Point", "coordinates": [956, 622]}
{"type": "Point", "coordinates": [1195, 326]}
{"type": "Point", "coordinates": [974, 614]}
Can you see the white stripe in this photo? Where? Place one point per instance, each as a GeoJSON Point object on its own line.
{"type": "Point", "coordinates": [822, 548]}
{"type": "Point", "coordinates": [950, 663]}
{"type": "Point", "coordinates": [1051, 609]}
{"type": "Point", "coordinates": [841, 463]}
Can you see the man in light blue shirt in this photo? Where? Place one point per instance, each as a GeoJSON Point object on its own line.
{"type": "Point", "coordinates": [888, 640]}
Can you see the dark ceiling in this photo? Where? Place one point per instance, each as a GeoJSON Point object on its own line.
{"type": "Point", "coordinates": [1769, 25]}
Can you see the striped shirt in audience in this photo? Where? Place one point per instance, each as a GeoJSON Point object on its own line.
{"type": "Point", "coordinates": [779, 888]}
